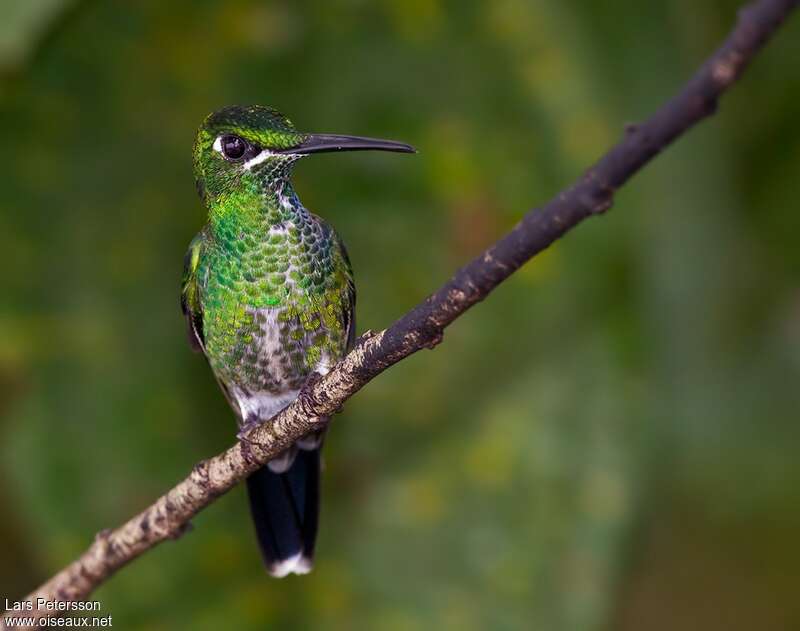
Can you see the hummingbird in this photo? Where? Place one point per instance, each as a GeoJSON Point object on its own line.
{"type": "Point", "coordinates": [269, 298]}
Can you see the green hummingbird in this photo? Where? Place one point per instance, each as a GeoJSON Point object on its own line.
{"type": "Point", "coordinates": [269, 298]}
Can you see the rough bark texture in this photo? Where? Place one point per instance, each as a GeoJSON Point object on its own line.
{"type": "Point", "coordinates": [423, 326]}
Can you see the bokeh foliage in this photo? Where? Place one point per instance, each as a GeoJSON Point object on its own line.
{"type": "Point", "coordinates": [608, 442]}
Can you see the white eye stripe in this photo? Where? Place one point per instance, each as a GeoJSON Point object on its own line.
{"type": "Point", "coordinates": [254, 161]}
{"type": "Point", "coordinates": [257, 159]}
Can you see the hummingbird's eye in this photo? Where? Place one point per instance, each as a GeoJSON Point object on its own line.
{"type": "Point", "coordinates": [233, 147]}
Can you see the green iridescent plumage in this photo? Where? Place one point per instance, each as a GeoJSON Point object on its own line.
{"type": "Point", "coordinates": [263, 252]}
{"type": "Point", "coordinates": [269, 299]}
{"type": "Point", "coordinates": [298, 270]}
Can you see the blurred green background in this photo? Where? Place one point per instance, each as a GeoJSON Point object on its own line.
{"type": "Point", "coordinates": [609, 442]}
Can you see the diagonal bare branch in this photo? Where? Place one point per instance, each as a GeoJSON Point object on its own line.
{"type": "Point", "coordinates": [423, 326]}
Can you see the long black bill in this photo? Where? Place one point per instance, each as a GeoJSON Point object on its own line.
{"type": "Point", "coordinates": [321, 143]}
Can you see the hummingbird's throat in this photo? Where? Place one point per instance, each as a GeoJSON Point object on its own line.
{"type": "Point", "coordinates": [267, 205]}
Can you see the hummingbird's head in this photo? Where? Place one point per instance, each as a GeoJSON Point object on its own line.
{"type": "Point", "coordinates": [254, 147]}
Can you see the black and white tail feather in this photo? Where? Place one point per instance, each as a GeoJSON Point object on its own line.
{"type": "Point", "coordinates": [284, 502]}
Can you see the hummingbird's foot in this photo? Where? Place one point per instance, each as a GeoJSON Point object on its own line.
{"type": "Point", "coordinates": [311, 380]}
{"type": "Point", "coordinates": [246, 427]}
{"type": "Point", "coordinates": [305, 392]}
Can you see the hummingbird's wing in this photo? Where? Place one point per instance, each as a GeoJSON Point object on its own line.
{"type": "Point", "coordinates": [191, 305]}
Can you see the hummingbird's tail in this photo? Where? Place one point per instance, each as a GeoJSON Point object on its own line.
{"type": "Point", "coordinates": [285, 509]}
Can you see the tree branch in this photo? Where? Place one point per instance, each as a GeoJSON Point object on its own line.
{"type": "Point", "coordinates": [423, 326]}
